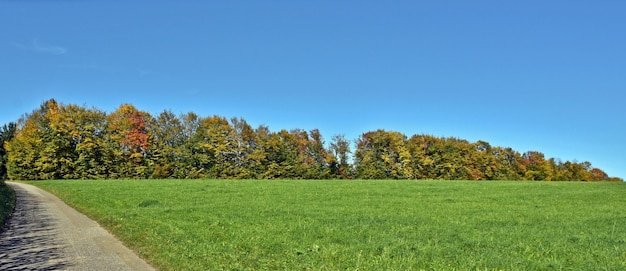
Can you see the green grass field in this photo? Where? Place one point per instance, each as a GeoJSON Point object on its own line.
{"type": "Point", "coordinates": [360, 225]}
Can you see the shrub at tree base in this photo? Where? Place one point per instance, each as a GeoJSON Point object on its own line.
{"type": "Point", "coordinates": [7, 203]}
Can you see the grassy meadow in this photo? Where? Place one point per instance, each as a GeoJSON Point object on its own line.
{"type": "Point", "coordinates": [360, 225]}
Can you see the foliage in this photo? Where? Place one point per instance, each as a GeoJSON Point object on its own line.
{"type": "Point", "coordinates": [127, 142]}
{"type": "Point", "coordinates": [7, 203]}
{"type": "Point", "coordinates": [60, 141]}
{"type": "Point", "coordinates": [6, 134]}
{"type": "Point", "coordinates": [383, 155]}
{"type": "Point", "coordinates": [364, 225]}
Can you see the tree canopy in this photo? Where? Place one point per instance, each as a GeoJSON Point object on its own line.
{"type": "Point", "coordinates": [58, 141]}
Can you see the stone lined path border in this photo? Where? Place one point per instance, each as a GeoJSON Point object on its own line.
{"type": "Point", "coordinates": [44, 233]}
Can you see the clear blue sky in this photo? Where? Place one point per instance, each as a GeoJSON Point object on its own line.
{"type": "Point", "coordinates": [532, 75]}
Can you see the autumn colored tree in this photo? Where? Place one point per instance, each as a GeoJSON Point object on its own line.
{"type": "Point", "coordinates": [25, 148]}
{"type": "Point", "coordinates": [84, 129]}
{"type": "Point", "coordinates": [128, 140]}
{"type": "Point", "coordinates": [422, 162]}
{"type": "Point", "coordinates": [484, 161]}
{"type": "Point", "coordinates": [260, 159]}
{"type": "Point", "coordinates": [58, 141]}
{"type": "Point", "coordinates": [598, 175]}
{"type": "Point", "coordinates": [215, 147]}
{"type": "Point", "coordinates": [574, 171]}
{"type": "Point", "coordinates": [69, 141]}
{"type": "Point", "coordinates": [383, 155]}
{"type": "Point", "coordinates": [447, 160]}
{"type": "Point", "coordinates": [537, 168]}
{"type": "Point", "coordinates": [248, 154]}
{"type": "Point", "coordinates": [313, 156]}
{"type": "Point", "coordinates": [282, 149]}
{"type": "Point", "coordinates": [508, 164]}
{"type": "Point", "coordinates": [40, 148]}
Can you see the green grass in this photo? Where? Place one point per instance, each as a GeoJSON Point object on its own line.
{"type": "Point", "coordinates": [7, 202]}
{"type": "Point", "coordinates": [360, 225]}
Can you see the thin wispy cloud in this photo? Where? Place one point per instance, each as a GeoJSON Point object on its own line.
{"type": "Point", "coordinates": [36, 46]}
{"type": "Point", "coordinates": [192, 92]}
{"type": "Point", "coordinates": [144, 72]}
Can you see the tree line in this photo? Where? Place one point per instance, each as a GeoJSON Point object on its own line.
{"type": "Point", "coordinates": [58, 141]}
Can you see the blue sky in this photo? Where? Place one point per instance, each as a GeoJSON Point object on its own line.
{"type": "Point", "coordinates": [532, 75]}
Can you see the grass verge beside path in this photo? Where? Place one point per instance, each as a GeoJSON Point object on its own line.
{"type": "Point", "coordinates": [360, 225]}
{"type": "Point", "coordinates": [7, 203]}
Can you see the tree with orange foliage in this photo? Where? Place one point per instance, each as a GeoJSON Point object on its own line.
{"type": "Point", "coordinates": [128, 140]}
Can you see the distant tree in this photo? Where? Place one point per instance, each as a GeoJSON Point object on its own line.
{"type": "Point", "coordinates": [563, 171]}
{"type": "Point", "coordinates": [190, 161]}
{"type": "Point", "coordinates": [213, 146]}
{"type": "Point", "coordinates": [247, 156]}
{"type": "Point", "coordinates": [423, 163]}
{"type": "Point", "coordinates": [340, 157]}
{"type": "Point", "coordinates": [6, 134]}
{"type": "Point", "coordinates": [449, 158]}
{"type": "Point", "coordinates": [537, 168]}
{"type": "Point", "coordinates": [510, 166]}
{"type": "Point", "coordinates": [32, 154]}
{"type": "Point", "coordinates": [578, 171]}
{"type": "Point", "coordinates": [167, 140]}
{"type": "Point", "coordinates": [281, 153]}
{"type": "Point", "coordinates": [84, 129]}
{"type": "Point", "coordinates": [23, 150]}
{"type": "Point", "coordinates": [484, 161]}
{"type": "Point", "coordinates": [598, 175]}
{"type": "Point", "coordinates": [58, 141]}
{"type": "Point", "coordinates": [316, 158]}
{"type": "Point", "coordinates": [128, 140]}
{"type": "Point", "coordinates": [383, 155]}
{"type": "Point", "coordinates": [263, 154]}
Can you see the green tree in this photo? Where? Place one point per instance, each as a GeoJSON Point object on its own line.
{"type": "Point", "coordinates": [281, 156]}
{"type": "Point", "coordinates": [6, 134]}
{"type": "Point", "coordinates": [340, 157]}
{"type": "Point", "coordinates": [168, 139]}
{"type": "Point", "coordinates": [262, 153]}
{"type": "Point", "coordinates": [84, 130]}
{"type": "Point", "coordinates": [248, 156]}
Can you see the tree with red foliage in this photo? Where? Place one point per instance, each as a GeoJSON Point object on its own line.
{"type": "Point", "coordinates": [128, 141]}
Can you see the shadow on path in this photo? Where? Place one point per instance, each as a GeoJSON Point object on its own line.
{"type": "Point", "coordinates": [29, 242]}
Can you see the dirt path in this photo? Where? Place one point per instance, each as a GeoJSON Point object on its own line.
{"type": "Point", "coordinates": [46, 234]}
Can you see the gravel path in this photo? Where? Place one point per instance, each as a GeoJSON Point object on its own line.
{"type": "Point", "coordinates": [46, 234]}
